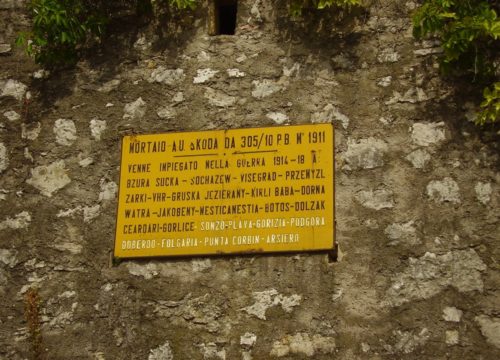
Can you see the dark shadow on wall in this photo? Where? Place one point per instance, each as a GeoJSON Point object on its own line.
{"type": "Point", "coordinates": [332, 30]}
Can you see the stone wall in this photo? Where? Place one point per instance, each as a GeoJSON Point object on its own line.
{"type": "Point", "coordinates": [417, 276]}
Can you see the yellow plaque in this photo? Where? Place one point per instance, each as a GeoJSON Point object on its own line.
{"type": "Point", "coordinates": [226, 192]}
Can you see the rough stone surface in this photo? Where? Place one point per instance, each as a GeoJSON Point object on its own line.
{"type": "Point", "coordinates": [490, 328]}
{"type": "Point", "coordinates": [4, 160]}
{"type": "Point", "coordinates": [452, 314]}
{"type": "Point", "coordinates": [12, 88]}
{"type": "Point", "coordinates": [419, 158]}
{"type": "Point", "coordinates": [65, 131]}
{"type": "Point", "coordinates": [97, 127]}
{"type": "Point", "coordinates": [11, 115]}
{"type": "Point", "coordinates": [376, 199]}
{"type": "Point", "coordinates": [483, 192]}
{"type": "Point", "coordinates": [404, 255]}
{"type": "Point", "coordinates": [445, 190]}
{"type": "Point", "coordinates": [20, 221]}
{"type": "Point", "coordinates": [403, 233]}
{"type": "Point", "coordinates": [265, 88]}
{"type": "Point", "coordinates": [428, 275]}
{"type": "Point", "coordinates": [365, 153]}
{"type": "Point", "coordinates": [135, 110]}
{"type": "Point", "coordinates": [162, 352]}
{"type": "Point", "coordinates": [304, 344]}
{"type": "Point", "coordinates": [427, 134]}
{"type": "Point", "coordinates": [204, 75]}
{"type": "Point", "coordinates": [270, 298]}
{"type": "Point", "coordinates": [49, 178]}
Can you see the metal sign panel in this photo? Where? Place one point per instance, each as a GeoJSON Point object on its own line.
{"type": "Point", "coordinates": [228, 191]}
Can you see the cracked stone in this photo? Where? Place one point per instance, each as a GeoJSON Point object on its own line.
{"type": "Point", "coordinates": [8, 258]}
{"type": "Point", "coordinates": [147, 271]}
{"type": "Point", "coordinates": [277, 117]}
{"type": "Point", "coordinates": [162, 352]}
{"type": "Point", "coordinates": [248, 339]}
{"type": "Point", "coordinates": [108, 190]}
{"type": "Point", "coordinates": [452, 337]}
{"type": "Point", "coordinates": [388, 55]}
{"type": "Point", "coordinates": [11, 115]}
{"type": "Point", "coordinates": [235, 73]}
{"type": "Point", "coordinates": [452, 314]}
{"type": "Point", "coordinates": [409, 341]}
{"type": "Point", "coordinates": [31, 131]}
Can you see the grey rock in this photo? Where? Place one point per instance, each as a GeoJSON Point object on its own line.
{"type": "Point", "coordinates": [13, 88]}
{"type": "Point", "coordinates": [49, 179]}
{"type": "Point", "coordinates": [483, 192]}
{"type": "Point", "coordinates": [445, 190]}
{"type": "Point", "coordinates": [365, 153]}
{"type": "Point", "coordinates": [65, 131]}
{"type": "Point", "coordinates": [490, 328]}
{"type": "Point", "coordinates": [427, 134]}
{"type": "Point", "coordinates": [376, 199]}
{"type": "Point", "coordinates": [4, 159]}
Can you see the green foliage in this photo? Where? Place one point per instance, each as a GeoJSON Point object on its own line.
{"type": "Point", "coordinates": [61, 29]}
{"type": "Point", "coordinates": [490, 106]}
{"type": "Point", "coordinates": [296, 6]}
{"type": "Point", "coordinates": [469, 31]}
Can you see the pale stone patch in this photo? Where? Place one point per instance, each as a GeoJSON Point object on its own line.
{"type": "Point", "coordinates": [277, 117]}
{"type": "Point", "coordinates": [235, 73]}
{"type": "Point", "coordinates": [91, 212]}
{"type": "Point", "coordinates": [385, 81]}
{"type": "Point", "coordinates": [203, 56]}
{"type": "Point", "coordinates": [147, 271]}
{"type": "Point", "coordinates": [70, 247]}
{"type": "Point", "coordinates": [31, 131]}
{"type": "Point", "coordinates": [162, 352]}
{"type": "Point", "coordinates": [452, 314]}
{"type": "Point", "coordinates": [409, 341]}
{"type": "Point", "coordinates": [204, 75]}
{"type": "Point", "coordinates": [65, 131]}
{"type": "Point", "coordinates": [86, 162]}
{"type": "Point", "coordinates": [178, 97]}
{"type": "Point", "coordinates": [451, 337]}
{"type": "Point", "coordinates": [135, 109]}
{"type": "Point", "coordinates": [211, 351]}
{"type": "Point", "coordinates": [428, 275]}
{"type": "Point", "coordinates": [490, 328]}
{"type": "Point", "coordinates": [412, 96]}
{"type": "Point", "coordinates": [11, 115]}
{"type": "Point", "coordinates": [201, 265]}
{"type": "Point", "coordinates": [49, 179]}
{"type": "Point", "coordinates": [483, 191]}
{"type": "Point", "coordinates": [405, 233]}
{"type": "Point", "coordinates": [376, 199]}
{"type": "Point", "coordinates": [248, 339]}
{"type": "Point", "coordinates": [365, 153]}
{"type": "Point", "coordinates": [269, 298]}
{"type": "Point", "coordinates": [427, 134]}
{"type": "Point", "coordinates": [329, 114]}
{"type": "Point", "coordinates": [108, 190]}
{"type": "Point", "coordinates": [445, 190]}
{"type": "Point", "coordinates": [294, 70]}
{"type": "Point", "coordinates": [13, 88]}
{"type": "Point", "coordinates": [8, 258]}
{"type": "Point", "coordinates": [4, 159]}
{"type": "Point", "coordinates": [303, 343]}
{"type": "Point", "coordinates": [167, 76]}
{"type": "Point", "coordinates": [388, 55]}
{"type": "Point", "coordinates": [265, 88]}
{"type": "Point", "coordinates": [5, 49]}
{"type": "Point", "coordinates": [97, 127]}
{"type": "Point", "coordinates": [109, 86]}
{"type": "Point", "coordinates": [218, 98]}
{"type": "Point", "coordinates": [165, 112]}
{"type": "Point", "coordinates": [41, 74]}
{"type": "Point", "coordinates": [20, 221]}
{"type": "Point", "coordinates": [419, 158]}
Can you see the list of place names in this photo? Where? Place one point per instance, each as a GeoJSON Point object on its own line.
{"type": "Point", "coordinates": [228, 191]}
